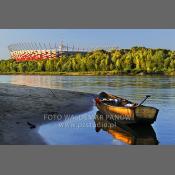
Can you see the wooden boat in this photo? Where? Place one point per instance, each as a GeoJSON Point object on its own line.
{"type": "Point", "coordinates": [132, 134]}
{"type": "Point", "coordinates": [124, 110]}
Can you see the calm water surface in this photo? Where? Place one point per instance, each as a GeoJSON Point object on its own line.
{"type": "Point", "coordinates": [81, 129]}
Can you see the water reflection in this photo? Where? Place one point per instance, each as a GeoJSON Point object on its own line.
{"type": "Point", "coordinates": [134, 87]}
{"type": "Point", "coordinates": [129, 134]}
{"type": "Point", "coordinates": [92, 128]}
{"type": "Point", "coordinates": [146, 82]}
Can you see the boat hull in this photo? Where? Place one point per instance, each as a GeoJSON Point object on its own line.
{"type": "Point", "coordinates": [126, 115]}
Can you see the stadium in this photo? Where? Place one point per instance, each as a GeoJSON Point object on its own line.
{"type": "Point", "coordinates": [39, 51]}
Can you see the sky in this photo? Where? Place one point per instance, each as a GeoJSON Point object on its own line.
{"type": "Point", "coordinates": [89, 38]}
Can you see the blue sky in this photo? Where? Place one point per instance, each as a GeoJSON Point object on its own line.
{"type": "Point", "coordinates": [89, 38]}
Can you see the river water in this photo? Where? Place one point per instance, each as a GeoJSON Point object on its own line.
{"type": "Point", "coordinates": [82, 129]}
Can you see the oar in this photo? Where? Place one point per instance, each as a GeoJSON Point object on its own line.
{"type": "Point", "coordinates": [147, 96]}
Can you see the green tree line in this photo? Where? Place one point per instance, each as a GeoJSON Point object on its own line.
{"type": "Point", "coordinates": [134, 60]}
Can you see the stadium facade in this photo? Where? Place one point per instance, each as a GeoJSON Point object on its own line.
{"type": "Point", "coordinates": [38, 51]}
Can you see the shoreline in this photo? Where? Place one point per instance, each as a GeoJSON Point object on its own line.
{"type": "Point", "coordinates": [21, 104]}
{"type": "Point", "coordinates": [95, 73]}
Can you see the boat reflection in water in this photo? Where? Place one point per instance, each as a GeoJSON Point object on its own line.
{"type": "Point", "coordinates": [132, 134]}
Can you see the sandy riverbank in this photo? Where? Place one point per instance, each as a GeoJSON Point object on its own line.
{"type": "Point", "coordinates": [22, 104]}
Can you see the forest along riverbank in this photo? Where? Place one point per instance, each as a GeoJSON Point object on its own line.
{"type": "Point", "coordinates": [136, 60]}
{"type": "Point", "coordinates": [23, 108]}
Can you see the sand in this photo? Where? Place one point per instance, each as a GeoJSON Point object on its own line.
{"type": "Point", "coordinates": [22, 104]}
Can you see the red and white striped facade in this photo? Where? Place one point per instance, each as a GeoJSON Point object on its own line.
{"type": "Point", "coordinates": [29, 55]}
{"type": "Point", "coordinates": [33, 51]}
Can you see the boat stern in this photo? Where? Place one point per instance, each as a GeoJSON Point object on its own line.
{"type": "Point", "coordinates": [146, 114]}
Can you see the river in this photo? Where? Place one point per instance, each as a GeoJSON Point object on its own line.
{"type": "Point", "coordinates": [134, 88]}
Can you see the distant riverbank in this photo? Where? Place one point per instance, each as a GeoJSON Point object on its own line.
{"type": "Point", "coordinates": [24, 105]}
{"type": "Point", "coordinates": [92, 73]}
